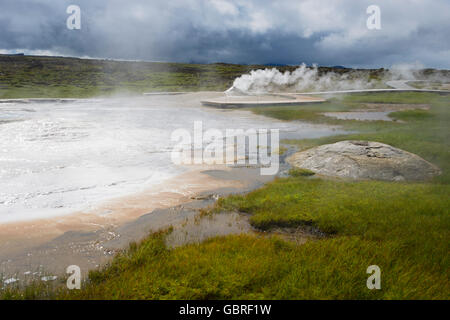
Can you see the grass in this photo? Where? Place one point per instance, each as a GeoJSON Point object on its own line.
{"type": "Point", "coordinates": [401, 227]}
{"type": "Point", "coordinates": [300, 172]}
{"type": "Point", "coordinates": [249, 267]}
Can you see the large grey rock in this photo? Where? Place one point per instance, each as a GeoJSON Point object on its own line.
{"type": "Point", "coordinates": [364, 160]}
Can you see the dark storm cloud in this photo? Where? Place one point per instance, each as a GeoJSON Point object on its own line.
{"type": "Point", "coordinates": [327, 32]}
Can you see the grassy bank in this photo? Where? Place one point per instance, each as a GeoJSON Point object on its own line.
{"type": "Point", "coordinates": [401, 227]}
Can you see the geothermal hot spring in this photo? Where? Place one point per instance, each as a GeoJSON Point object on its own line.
{"type": "Point", "coordinates": [57, 158]}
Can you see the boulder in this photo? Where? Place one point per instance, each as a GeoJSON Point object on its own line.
{"type": "Point", "coordinates": [364, 160]}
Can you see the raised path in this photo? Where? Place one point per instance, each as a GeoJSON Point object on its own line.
{"type": "Point", "coordinates": [400, 84]}
{"type": "Point", "coordinates": [396, 86]}
{"type": "Point", "coordinates": [38, 100]}
{"type": "Point", "coordinates": [260, 100]}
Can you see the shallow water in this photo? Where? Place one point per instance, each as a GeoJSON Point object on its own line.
{"type": "Point", "coordinates": [58, 158]}
{"type": "Point", "coordinates": [362, 116]}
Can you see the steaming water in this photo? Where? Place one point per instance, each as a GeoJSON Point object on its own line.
{"type": "Point", "coordinates": [61, 157]}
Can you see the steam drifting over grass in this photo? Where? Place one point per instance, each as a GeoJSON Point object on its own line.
{"type": "Point", "coordinates": [302, 79]}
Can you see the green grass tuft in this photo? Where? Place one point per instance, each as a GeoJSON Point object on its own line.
{"type": "Point", "coordinates": [300, 172]}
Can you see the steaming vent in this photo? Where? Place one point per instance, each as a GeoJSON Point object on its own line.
{"type": "Point", "coordinates": [235, 92]}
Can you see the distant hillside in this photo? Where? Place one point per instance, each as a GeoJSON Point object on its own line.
{"type": "Point", "coordinates": [38, 76]}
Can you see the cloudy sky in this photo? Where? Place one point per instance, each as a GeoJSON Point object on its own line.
{"type": "Point", "coordinates": [326, 32]}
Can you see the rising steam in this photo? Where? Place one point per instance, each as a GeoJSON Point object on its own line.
{"type": "Point", "coordinates": [310, 79]}
{"type": "Point", "coordinates": [302, 79]}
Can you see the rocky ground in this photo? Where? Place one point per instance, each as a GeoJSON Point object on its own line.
{"type": "Point", "coordinates": [365, 160]}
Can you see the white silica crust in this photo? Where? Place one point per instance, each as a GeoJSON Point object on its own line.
{"type": "Point", "coordinates": [57, 158]}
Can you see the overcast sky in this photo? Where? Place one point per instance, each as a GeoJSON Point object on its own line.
{"type": "Point", "coordinates": [326, 32]}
